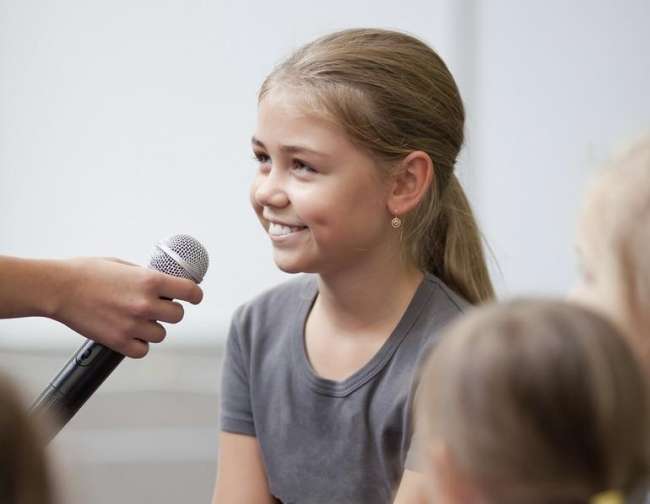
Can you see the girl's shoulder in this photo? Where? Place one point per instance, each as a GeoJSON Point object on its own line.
{"type": "Point", "coordinates": [442, 297]}
{"type": "Point", "coordinates": [280, 301]}
{"type": "Point", "coordinates": [298, 288]}
{"type": "Point", "coordinates": [439, 306]}
{"type": "Point", "coordinates": [434, 306]}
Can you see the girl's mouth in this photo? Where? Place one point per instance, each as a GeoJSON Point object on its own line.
{"type": "Point", "coordinates": [282, 230]}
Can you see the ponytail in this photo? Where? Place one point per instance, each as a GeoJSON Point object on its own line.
{"type": "Point", "coordinates": [463, 265]}
{"type": "Point", "coordinates": [445, 240]}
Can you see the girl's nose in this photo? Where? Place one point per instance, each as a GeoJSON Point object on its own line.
{"type": "Point", "coordinates": [269, 191]}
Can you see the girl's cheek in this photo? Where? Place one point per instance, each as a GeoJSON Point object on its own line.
{"type": "Point", "coordinates": [587, 295]}
{"type": "Point", "coordinates": [253, 189]}
{"type": "Point", "coordinates": [577, 292]}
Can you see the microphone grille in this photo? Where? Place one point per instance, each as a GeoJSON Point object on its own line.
{"type": "Point", "coordinates": [182, 256]}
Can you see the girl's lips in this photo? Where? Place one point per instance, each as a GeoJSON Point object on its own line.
{"type": "Point", "coordinates": [277, 229]}
{"type": "Point", "coordinates": [280, 233]}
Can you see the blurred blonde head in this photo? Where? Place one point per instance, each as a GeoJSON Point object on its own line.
{"type": "Point", "coordinates": [24, 474]}
{"type": "Point", "coordinates": [536, 402]}
{"type": "Point", "coordinates": [613, 242]}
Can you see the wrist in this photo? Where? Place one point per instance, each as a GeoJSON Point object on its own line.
{"type": "Point", "coordinates": [57, 278]}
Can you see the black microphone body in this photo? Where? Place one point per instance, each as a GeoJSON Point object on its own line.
{"type": "Point", "coordinates": [90, 365]}
{"type": "Point", "coordinates": [75, 383]}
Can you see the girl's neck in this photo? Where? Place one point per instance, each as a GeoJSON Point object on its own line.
{"type": "Point", "coordinates": [365, 297]}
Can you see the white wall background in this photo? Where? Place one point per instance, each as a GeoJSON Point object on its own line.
{"type": "Point", "coordinates": [558, 86]}
{"type": "Point", "coordinates": [122, 122]}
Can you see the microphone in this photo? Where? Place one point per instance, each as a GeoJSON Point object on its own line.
{"type": "Point", "coordinates": [180, 256]}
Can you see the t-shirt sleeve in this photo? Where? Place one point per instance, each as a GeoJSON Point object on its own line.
{"type": "Point", "coordinates": [416, 451]}
{"type": "Point", "coordinates": [236, 409]}
{"type": "Point", "coordinates": [414, 461]}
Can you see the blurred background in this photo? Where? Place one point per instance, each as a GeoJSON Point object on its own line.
{"type": "Point", "coordinates": [123, 122]}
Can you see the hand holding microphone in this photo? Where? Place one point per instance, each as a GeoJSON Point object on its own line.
{"type": "Point", "coordinates": [118, 304]}
{"type": "Point", "coordinates": [177, 262]}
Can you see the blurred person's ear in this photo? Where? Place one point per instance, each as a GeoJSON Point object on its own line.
{"type": "Point", "coordinates": [448, 483]}
{"type": "Point", "coordinates": [610, 284]}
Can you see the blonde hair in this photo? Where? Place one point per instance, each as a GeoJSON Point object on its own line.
{"type": "Point", "coordinates": [393, 95]}
{"type": "Point", "coordinates": [617, 213]}
{"type": "Point", "coordinates": [24, 474]}
{"type": "Point", "coordinates": [538, 401]}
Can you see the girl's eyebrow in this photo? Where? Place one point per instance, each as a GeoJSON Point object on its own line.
{"type": "Point", "coordinates": [290, 149]}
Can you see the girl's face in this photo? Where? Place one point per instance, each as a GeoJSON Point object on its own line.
{"type": "Point", "coordinates": [604, 282]}
{"type": "Point", "coordinates": [598, 281]}
{"type": "Point", "coordinates": [320, 198]}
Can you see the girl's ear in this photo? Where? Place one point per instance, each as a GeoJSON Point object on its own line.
{"type": "Point", "coordinates": [413, 177]}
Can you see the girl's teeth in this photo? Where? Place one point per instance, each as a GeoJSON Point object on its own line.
{"type": "Point", "coordinates": [280, 230]}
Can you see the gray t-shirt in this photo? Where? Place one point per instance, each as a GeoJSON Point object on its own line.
{"type": "Point", "coordinates": [326, 441]}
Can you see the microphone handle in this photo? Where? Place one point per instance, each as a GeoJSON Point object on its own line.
{"type": "Point", "coordinates": [75, 383]}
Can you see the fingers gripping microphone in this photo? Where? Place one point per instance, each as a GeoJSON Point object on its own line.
{"type": "Point", "coordinates": [180, 256]}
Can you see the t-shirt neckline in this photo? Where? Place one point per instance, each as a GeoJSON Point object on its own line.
{"type": "Point", "coordinates": [378, 361]}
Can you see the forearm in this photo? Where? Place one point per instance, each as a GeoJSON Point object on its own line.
{"type": "Point", "coordinates": [412, 489]}
{"type": "Point", "coordinates": [241, 476]}
{"type": "Point", "coordinates": [106, 300]}
{"type": "Point", "coordinates": [30, 287]}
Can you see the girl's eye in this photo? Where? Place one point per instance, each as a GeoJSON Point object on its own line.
{"type": "Point", "coordinates": [261, 157]}
{"type": "Point", "coordinates": [298, 165]}
{"type": "Point", "coordinates": [586, 275]}
{"type": "Point", "coordinates": [585, 272]}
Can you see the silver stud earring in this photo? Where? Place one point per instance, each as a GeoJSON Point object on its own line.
{"type": "Point", "coordinates": [396, 222]}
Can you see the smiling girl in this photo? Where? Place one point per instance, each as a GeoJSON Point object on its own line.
{"type": "Point", "coordinates": [357, 137]}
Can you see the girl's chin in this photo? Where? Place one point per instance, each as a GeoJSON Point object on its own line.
{"type": "Point", "coordinates": [292, 266]}
{"type": "Point", "coordinates": [288, 268]}
{"type": "Point", "coordinates": [287, 265]}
